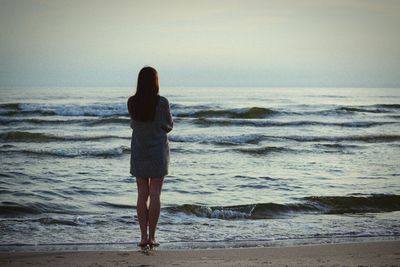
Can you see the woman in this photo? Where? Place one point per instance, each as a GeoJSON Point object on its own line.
{"type": "Point", "coordinates": [150, 121]}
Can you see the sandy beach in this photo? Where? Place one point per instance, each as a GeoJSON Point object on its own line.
{"type": "Point", "coordinates": [380, 253]}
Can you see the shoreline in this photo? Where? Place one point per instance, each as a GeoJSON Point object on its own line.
{"type": "Point", "coordinates": [191, 245]}
{"type": "Point", "coordinates": [371, 253]}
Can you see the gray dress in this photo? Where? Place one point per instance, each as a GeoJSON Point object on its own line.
{"type": "Point", "coordinates": [149, 145]}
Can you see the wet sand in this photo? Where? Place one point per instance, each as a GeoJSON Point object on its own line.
{"type": "Point", "coordinates": [380, 253]}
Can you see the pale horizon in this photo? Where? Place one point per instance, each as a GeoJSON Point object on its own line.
{"type": "Point", "coordinates": [227, 43]}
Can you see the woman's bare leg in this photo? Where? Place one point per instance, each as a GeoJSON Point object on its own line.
{"type": "Point", "coordinates": [154, 208]}
{"type": "Point", "coordinates": [141, 207]}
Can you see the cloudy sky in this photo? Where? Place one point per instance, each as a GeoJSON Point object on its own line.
{"type": "Point", "coordinates": [319, 43]}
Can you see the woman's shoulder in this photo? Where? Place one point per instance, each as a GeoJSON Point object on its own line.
{"type": "Point", "coordinates": [164, 101]}
{"type": "Point", "coordinates": [130, 100]}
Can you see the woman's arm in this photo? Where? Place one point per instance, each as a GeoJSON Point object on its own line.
{"type": "Point", "coordinates": [167, 123]}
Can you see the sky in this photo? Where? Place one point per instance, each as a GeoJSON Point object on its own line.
{"type": "Point", "coordinates": [288, 43]}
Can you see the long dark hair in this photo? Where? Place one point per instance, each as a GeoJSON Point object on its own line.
{"type": "Point", "coordinates": [142, 105]}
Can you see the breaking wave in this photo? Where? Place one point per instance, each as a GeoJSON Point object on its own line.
{"type": "Point", "coordinates": [113, 109]}
{"type": "Point", "coordinates": [313, 204]}
{"type": "Point", "coordinates": [259, 123]}
{"type": "Point", "coordinates": [263, 150]}
{"type": "Point", "coordinates": [86, 122]}
{"type": "Point", "coordinates": [8, 208]}
{"type": "Point", "coordinates": [20, 136]}
{"type": "Point", "coordinates": [243, 113]}
{"type": "Point", "coordinates": [195, 111]}
{"type": "Point", "coordinates": [72, 153]}
{"type": "Point", "coordinates": [257, 138]}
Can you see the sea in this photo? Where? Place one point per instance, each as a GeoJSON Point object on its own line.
{"type": "Point", "coordinates": [250, 166]}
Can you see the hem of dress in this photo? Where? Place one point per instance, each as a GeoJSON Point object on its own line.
{"type": "Point", "coordinates": [149, 176]}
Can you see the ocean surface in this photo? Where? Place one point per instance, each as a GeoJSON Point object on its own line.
{"type": "Point", "coordinates": [249, 166]}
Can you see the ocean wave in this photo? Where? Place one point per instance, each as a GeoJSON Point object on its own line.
{"type": "Point", "coordinates": [263, 150]}
{"type": "Point", "coordinates": [355, 204]}
{"type": "Point", "coordinates": [219, 140]}
{"type": "Point", "coordinates": [263, 112]}
{"type": "Point", "coordinates": [96, 109]}
{"type": "Point", "coordinates": [192, 111]}
{"type": "Point", "coordinates": [240, 113]}
{"type": "Point", "coordinates": [313, 204]}
{"type": "Point", "coordinates": [377, 108]}
{"type": "Point", "coordinates": [109, 120]}
{"type": "Point", "coordinates": [115, 205]}
{"type": "Point", "coordinates": [373, 138]}
{"type": "Point", "coordinates": [356, 109]}
{"type": "Point", "coordinates": [72, 153]}
{"type": "Point", "coordinates": [345, 148]}
{"type": "Point", "coordinates": [351, 204]}
{"type": "Point", "coordinates": [349, 110]}
{"type": "Point", "coordinates": [21, 136]}
{"type": "Point", "coordinates": [388, 106]}
{"type": "Point", "coordinates": [75, 221]}
{"type": "Point", "coordinates": [10, 120]}
{"type": "Point", "coordinates": [204, 122]}
{"type": "Point", "coordinates": [258, 138]}
{"type": "Point", "coordinates": [67, 220]}
{"type": "Point", "coordinates": [85, 122]}
{"type": "Point", "coordinates": [10, 106]}
{"type": "Point", "coordinates": [8, 208]}
{"type": "Point", "coordinates": [258, 123]}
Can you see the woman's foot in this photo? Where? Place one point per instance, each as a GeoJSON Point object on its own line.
{"type": "Point", "coordinates": [143, 243]}
{"type": "Point", "coordinates": [153, 242]}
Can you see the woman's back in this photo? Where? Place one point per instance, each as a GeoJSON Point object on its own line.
{"type": "Point", "coordinates": [149, 146]}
